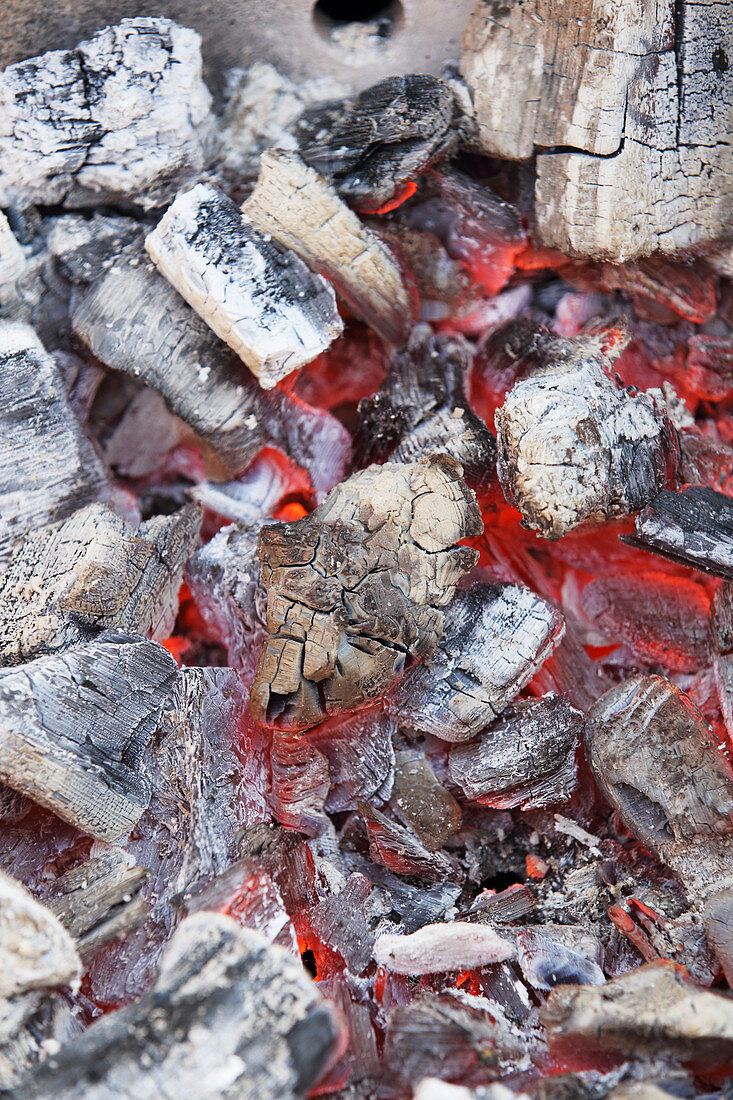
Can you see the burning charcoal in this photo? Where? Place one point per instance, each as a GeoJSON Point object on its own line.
{"type": "Point", "coordinates": [302, 212]}
{"type": "Point", "coordinates": [401, 852]}
{"type": "Point", "coordinates": [546, 963]}
{"type": "Point", "coordinates": [74, 729]}
{"type": "Point", "coordinates": [263, 302]}
{"type": "Point", "coordinates": [718, 921]}
{"type": "Point", "coordinates": [656, 761]}
{"type": "Point", "coordinates": [299, 784]}
{"type": "Point", "coordinates": [423, 408]}
{"type": "Point", "coordinates": [361, 759]}
{"type": "Point", "coordinates": [100, 900]}
{"type": "Point", "coordinates": [92, 572]}
{"type": "Point", "coordinates": [383, 138]}
{"type": "Point", "coordinates": [652, 1010]}
{"type": "Point", "coordinates": [134, 321]}
{"type": "Point", "coordinates": [252, 897]}
{"type": "Point", "coordinates": [50, 467]}
{"type": "Point", "coordinates": [693, 526]}
{"type": "Point", "coordinates": [422, 803]}
{"type": "Point", "coordinates": [574, 447]}
{"type": "Point", "coordinates": [357, 587]}
{"type": "Point", "coordinates": [527, 758]}
{"type": "Point", "coordinates": [456, 945]}
{"type": "Point", "coordinates": [229, 1014]}
{"type": "Point", "coordinates": [339, 921]}
{"type": "Point", "coordinates": [36, 951]}
{"type": "Point", "coordinates": [505, 907]}
{"type": "Point", "coordinates": [123, 117]}
{"type": "Point", "coordinates": [495, 638]}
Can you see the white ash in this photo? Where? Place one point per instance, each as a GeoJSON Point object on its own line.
{"type": "Point", "coordinates": [436, 948]}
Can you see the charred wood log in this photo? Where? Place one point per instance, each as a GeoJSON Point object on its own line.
{"type": "Point", "coordinates": [134, 321]}
{"type": "Point", "coordinates": [125, 117]}
{"type": "Point", "coordinates": [693, 526]}
{"type": "Point", "coordinates": [304, 213]}
{"type": "Point", "coordinates": [73, 729]}
{"type": "Point", "coordinates": [357, 588]}
{"type": "Point", "coordinates": [494, 639]}
{"type": "Point", "coordinates": [262, 301]}
{"type": "Point", "coordinates": [422, 408]}
{"type": "Point", "coordinates": [90, 573]}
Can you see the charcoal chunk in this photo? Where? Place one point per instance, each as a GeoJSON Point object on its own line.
{"type": "Point", "coordinates": [36, 952]}
{"type": "Point", "coordinates": [361, 758]}
{"type": "Point", "coordinates": [693, 526]}
{"type": "Point", "coordinates": [421, 802]}
{"type": "Point", "coordinates": [546, 963]}
{"type": "Point", "coordinates": [456, 945]}
{"type": "Point", "coordinates": [402, 852]}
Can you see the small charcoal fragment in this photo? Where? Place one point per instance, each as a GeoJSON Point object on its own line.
{"type": "Point", "coordinates": [494, 640]}
{"type": "Point", "coordinates": [574, 447]}
{"type": "Point", "coordinates": [339, 921]}
{"type": "Point", "coordinates": [693, 526]}
{"type": "Point", "coordinates": [73, 729]}
{"type": "Point", "coordinates": [90, 573]}
{"type": "Point", "coordinates": [49, 467]}
{"type": "Point", "coordinates": [652, 1010]}
{"type": "Point", "coordinates": [402, 852]}
{"type": "Point", "coordinates": [383, 137]}
{"type": "Point", "coordinates": [125, 117]}
{"type": "Point", "coordinates": [134, 321]}
{"type": "Point", "coordinates": [262, 301]}
{"type": "Point", "coordinates": [419, 800]}
{"type": "Point", "coordinates": [358, 586]}
{"type": "Point", "coordinates": [36, 952]}
{"type": "Point", "coordinates": [302, 212]}
{"type": "Point", "coordinates": [422, 408]}
{"type": "Point", "coordinates": [546, 963]}
{"type": "Point", "coordinates": [299, 784]}
{"type": "Point", "coordinates": [361, 758]}
{"type": "Point", "coordinates": [526, 758]}
{"type": "Point", "coordinates": [455, 945]}
{"type": "Point", "coordinates": [229, 1015]}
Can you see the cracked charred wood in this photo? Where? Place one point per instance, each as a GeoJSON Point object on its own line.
{"type": "Point", "coordinates": [494, 639]}
{"type": "Point", "coordinates": [36, 951]}
{"type": "Point", "coordinates": [575, 448]}
{"type": "Point", "coordinates": [422, 408]}
{"type": "Point", "coordinates": [435, 948]}
{"type": "Point", "coordinates": [693, 526]}
{"type": "Point", "coordinates": [49, 467]}
{"type": "Point", "coordinates": [627, 114]}
{"type": "Point", "coordinates": [421, 802]}
{"type": "Point", "coordinates": [101, 899]}
{"type": "Point", "coordinates": [304, 213]}
{"type": "Point", "coordinates": [361, 758]}
{"type": "Point", "coordinates": [721, 628]}
{"type": "Point", "coordinates": [230, 1015]}
{"type": "Point", "coordinates": [383, 138]}
{"type": "Point", "coordinates": [653, 1010]}
{"type": "Point", "coordinates": [657, 762]}
{"type": "Point", "coordinates": [357, 588]}
{"type": "Point", "coordinates": [259, 299]}
{"type": "Point", "coordinates": [526, 758]}
{"type": "Point", "coordinates": [134, 321]}
{"type": "Point", "coordinates": [402, 852]}
{"type": "Point", "coordinates": [122, 118]}
{"type": "Point", "coordinates": [73, 729]}
{"type": "Point", "coordinates": [92, 572]}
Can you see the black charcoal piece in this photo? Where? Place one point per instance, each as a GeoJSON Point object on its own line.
{"type": "Point", "coordinates": [361, 759]}
{"type": "Point", "coordinates": [382, 138]}
{"type": "Point", "coordinates": [357, 588]}
{"type": "Point", "coordinates": [422, 408]}
{"type": "Point", "coordinates": [73, 729]}
{"type": "Point", "coordinates": [401, 851]}
{"type": "Point", "coordinates": [545, 962]}
{"type": "Point", "coordinates": [526, 758]}
{"type": "Point", "coordinates": [693, 526]}
{"type": "Point", "coordinates": [495, 638]}
{"type": "Point", "coordinates": [134, 321]}
{"type": "Point", "coordinates": [421, 802]}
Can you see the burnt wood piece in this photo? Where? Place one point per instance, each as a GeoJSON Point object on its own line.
{"type": "Point", "coordinates": [494, 639]}
{"type": "Point", "coordinates": [652, 1010]}
{"type": "Point", "coordinates": [92, 572]}
{"type": "Point", "coordinates": [574, 447]}
{"type": "Point", "coordinates": [12, 262]}
{"type": "Point", "coordinates": [49, 467]}
{"type": "Point", "coordinates": [693, 526]}
{"type": "Point", "coordinates": [304, 213]}
{"type": "Point", "coordinates": [438, 948]}
{"type": "Point", "coordinates": [422, 408]}
{"type": "Point", "coordinates": [125, 117]}
{"type": "Point", "coordinates": [357, 588]}
{"type": "Point", "coordinates": [545, 961]}
{"type": "Point", "coordinates": [229, 1015]}
{"type": "Point", "coordinates": [383, 137]}
{"type": "Point", "coordinates": [260, 299]}
{"type": "Point", "coordinates": [421, 802]}
{"type": "Point", "coordinates": [361, 758]}
{"type": "Point", "coordinates": [73, 729]}
{"type": "Point", "coordinates": [401, 851]}
{"type": "Point", "coordinates": [526, 758]}
{"type": "Point", "coordinates": [628, 118]}
{"type": "Point", "coordinates": [657, 762]}
{"type": "Point", "coordinates": [101, 899]}
{"type": "Point", "coordinates": [134, 321]}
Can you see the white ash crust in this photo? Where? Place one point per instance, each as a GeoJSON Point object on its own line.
{"type": "Point", "coordinates": [36, 951]}
{"type": "Point", "coordinates": [123, 117]}
{"type": "Point", "coordinates": [263, 302]}
{"type": "Point", "coordinates": [436, 948]}
{"type": "Point", "coordinates": [574, 447]}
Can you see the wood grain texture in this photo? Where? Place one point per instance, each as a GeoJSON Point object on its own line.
{"type": "Point", "coordinates": [100, 899]}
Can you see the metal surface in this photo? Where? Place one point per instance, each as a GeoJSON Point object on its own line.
{"type": "Point", "coordinates": [420, 34]}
